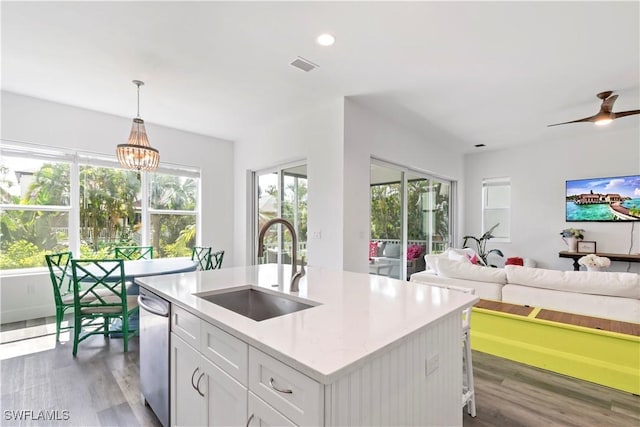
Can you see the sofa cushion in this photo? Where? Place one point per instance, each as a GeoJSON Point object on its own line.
{"type": "Point", "coordinates": [485, 290]}
{"type": "Point", "coordinates": [468, 271]}
{"type": "Point", "coordinates": [584, 282]}
{"type": "Point", "coordinates": [607, 307]}
{"type": "Point", "coordinates": [392, 250]}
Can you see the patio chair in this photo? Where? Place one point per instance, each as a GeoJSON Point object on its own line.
{"type": "Point", "coordinates": [61, 279]}
{"type": "Point", "coordinates": [100, 296]}
{"type": "Point", "coordinates": [202, 254]}
{"type": "Point", "coordinates": [134, 252]}
{"type": "Point", "coordinates": [216, 260]}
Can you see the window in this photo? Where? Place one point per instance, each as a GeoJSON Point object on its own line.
{"type": "Point", "coordinates": [35, 207]}
{"type": "Point", "coordinates": [496, 207]}
{"type": "Point", "coordinates": [281, 192]}
{"type": "Point", "coordinates": [410, 216]}
{"type": "Point", "coordinates": [54, 201]}
{"type": "Point", "coordinates": [172, 214]}
{"type": "Point", "coordinates": [109, 210]}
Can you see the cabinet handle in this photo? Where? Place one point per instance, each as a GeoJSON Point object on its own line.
{"type": "Point", "coordinates": [192, 376]}
{"type": "Point", "coordinates": [198, 385]}
{"type": "Point", "coordinates": [249, 420]}
{"type": "Point", "coordinates": [287, 391]}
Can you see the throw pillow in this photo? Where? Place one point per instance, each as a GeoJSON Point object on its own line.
{"type": "Point", "coordinates": [514, 261]}
{"type": "Point", "coordinates": [457, 255]}
{"type": "Point", "coordinates": [431, 260]}
{"type": "Point", "coordinates": [373, 249]}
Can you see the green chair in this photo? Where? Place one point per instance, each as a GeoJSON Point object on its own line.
{"type": "Point", "coordinates": [217, 257]}
{"type": "Point", "coordinates": [100, 296]}
{"type": "Point", "coordinates": [134, 252]}
{"type": "Point", "coordinates": [202, 254]}
{"type": "Point", "coordinates": [61, 279]}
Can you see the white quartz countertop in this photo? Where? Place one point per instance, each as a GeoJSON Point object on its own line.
{"type": "Point", "coordinates": [356, 316]}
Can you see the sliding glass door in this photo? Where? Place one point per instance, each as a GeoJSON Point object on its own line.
{"type": "Point", "coordinates": [410, 217]}
{"type": "Point", "coordinates": [281, 193]}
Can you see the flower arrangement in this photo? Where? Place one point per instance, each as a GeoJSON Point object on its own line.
{"type": "Point", "coordinates": [593, 260]}
{"type": "Point", "coordinates": [578, 233]}
{"type": "Point", "coordinates": [414, 251]}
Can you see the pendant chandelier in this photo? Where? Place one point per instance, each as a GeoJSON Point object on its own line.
{"type": "Point", "coordinates": [137, 153]}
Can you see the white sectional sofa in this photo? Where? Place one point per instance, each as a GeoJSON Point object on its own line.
{"type": "Point", "coordinates": [599, 294]}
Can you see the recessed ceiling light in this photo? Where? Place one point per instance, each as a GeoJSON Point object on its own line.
{"type": "Point", "coordinates": [326, 39]}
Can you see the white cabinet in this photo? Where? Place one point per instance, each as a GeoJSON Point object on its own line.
{"type": "Point", "coordinates": [202, 393]}
{"type": "Point", "coordinates": [226, 398]}
{"type": "Point", "coordinates": [186, 326]}
{"type": "Point", "coordinates": [261, 414]}
{"type": "Point", "coordinates": [219, 380]}
{"type": "Point", "coordinates": [293, 394]}
{"type": "Point", "coordinates": [187, 403]}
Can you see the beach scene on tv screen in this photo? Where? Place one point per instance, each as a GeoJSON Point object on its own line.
{"type": "Point", "coordinates": [604, 199]}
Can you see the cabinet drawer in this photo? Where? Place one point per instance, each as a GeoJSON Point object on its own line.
{"type": "Point", "coordinates": [225, 350]}
{"type": "Point", "coordinates": [261, 414]}
{"type": "Point", "coordinates": [292, 393]}
{"type": "Point", "coordinates": [186, 326]}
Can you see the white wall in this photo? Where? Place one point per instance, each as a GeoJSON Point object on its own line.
{"type": "Point", "coordinates": [367, 134]}
{"type": "Point", "coordinates": [337, 140]}
{"type": "Point", "coordinates": [31, 120]}
{"type": "Point", "coordinates": [538, 174]}
{"type": "Point", "coordinates": [314, 135]}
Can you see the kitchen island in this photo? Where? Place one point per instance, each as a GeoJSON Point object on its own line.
{"type": "Point", "coordinates": [370, 351]}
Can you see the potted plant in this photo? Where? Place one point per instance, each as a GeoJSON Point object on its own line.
{"type": "Point", "coordinates": [571, 237]}
{"type": "Point", "coordinates": [481, 246]}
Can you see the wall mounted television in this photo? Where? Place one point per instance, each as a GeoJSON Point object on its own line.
{"type": "Point", "coordinates": [615, 198]}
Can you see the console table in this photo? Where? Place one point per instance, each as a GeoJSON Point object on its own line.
{"type": "Point", "coordinates": [613, 257]}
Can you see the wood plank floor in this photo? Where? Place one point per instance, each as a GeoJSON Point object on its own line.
{"type": "Point", "coordinates": [101, 388]}
{"type": "Point", "coordinates": [512, 394]}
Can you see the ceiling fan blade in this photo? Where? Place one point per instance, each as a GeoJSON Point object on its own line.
{"type": "Point", "coordinates": [625, 113]}
{"type": "Point", "coordinates": [586, 119]}
{"type": "Point", "coordinates": [607, 104]}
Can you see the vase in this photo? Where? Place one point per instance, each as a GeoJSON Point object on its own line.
{"type": "Point", "coordinates": [593, 268]}
{"type": "Point", "coordinates": [572, 243]}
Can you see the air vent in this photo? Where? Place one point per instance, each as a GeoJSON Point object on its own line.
{"type": "Point", "coordinates": [303, 64]}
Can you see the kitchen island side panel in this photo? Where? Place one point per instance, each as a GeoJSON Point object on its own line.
{"type": "Point", "coordinates": [417, 382]}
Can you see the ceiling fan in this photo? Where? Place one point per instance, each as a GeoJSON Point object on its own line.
{"type": "Point", "coordinates": [605, 115]}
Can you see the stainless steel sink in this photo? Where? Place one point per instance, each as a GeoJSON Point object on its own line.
{"type": "Point", "coordinates": [255, 304]}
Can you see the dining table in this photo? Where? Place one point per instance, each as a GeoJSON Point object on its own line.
{"type": "Point", "coordinates": [151, 267]}
{"type": "Point", "coordinates": [155, 267]}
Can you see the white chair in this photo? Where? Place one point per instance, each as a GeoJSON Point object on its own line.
{"type": "Point", "coordinates": [468, 390]}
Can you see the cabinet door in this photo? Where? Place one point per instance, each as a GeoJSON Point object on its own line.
{"type": "Point", "coordinates": [290, 392]}
{"type": "Point", "coordinates": [188, 405]}
{"type": "Point", "coordinates": [226, 397]}
{"type": "Point", "coordinates": [261, 414]}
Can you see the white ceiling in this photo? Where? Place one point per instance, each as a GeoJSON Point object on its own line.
{"type": "Point", "coordinates": [493, 73]}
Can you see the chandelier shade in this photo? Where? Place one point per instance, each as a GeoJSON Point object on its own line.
{"type": "Point", "coordinates": [137, 153]}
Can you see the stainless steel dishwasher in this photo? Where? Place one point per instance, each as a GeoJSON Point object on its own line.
{"type": "Point", "coordinates": [154, 353]}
